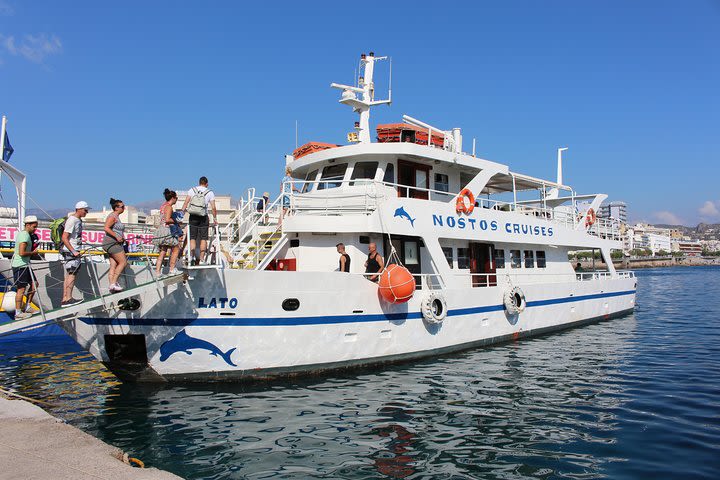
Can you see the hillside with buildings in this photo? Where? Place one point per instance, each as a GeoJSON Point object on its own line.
{"type": "Point", "coordinates": [643, 239]}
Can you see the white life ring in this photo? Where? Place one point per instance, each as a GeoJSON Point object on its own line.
{"type": "Point", "coordinates": [514, 300]}
{"type": "Point", "coordinates": [434, 308]}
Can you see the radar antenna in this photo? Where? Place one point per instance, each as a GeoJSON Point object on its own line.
{"type": "Point", "coordinates": [366, 90]}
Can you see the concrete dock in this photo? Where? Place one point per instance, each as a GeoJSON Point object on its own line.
{"type": "Point", "coordinates": [34, 444]}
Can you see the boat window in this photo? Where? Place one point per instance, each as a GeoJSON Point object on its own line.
{"type": "Point", "coordinates": [463, 255]}
{"type": "Point", "coordinates": [529, 259]}
{"type": "Point", "coordinates": [448, 251]}
{"type": "Point", "coordinates": [389, 173]}
{"type": "Point", "coordinates": [290, 304]}
{"type": "Point", "coordinates": [332, 176]}
{"type": "Point", "coordinates": [515, 259]}
{"type": "Point", "coordinates": [421, 179]}
{"type": "Point", "coordinates": [500, 258]}
{"type": "Point", "coordinates": [411, 253]}
{"type": "Point", "coordinates": [363, 170]}
{"type": "Point", "coordinates": [541, 263]}
{"type": "Point", "coordinates": [308, 187]}
{"type": "Point", "coordinates": [441, 182]}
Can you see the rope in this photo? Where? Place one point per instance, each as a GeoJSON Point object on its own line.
{"type": "Point", "coordinates": [13, 394]}
{"type": "Point", "coordinates": [393, 252]}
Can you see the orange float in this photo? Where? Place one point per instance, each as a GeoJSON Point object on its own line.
{"type": "Point", "coordinates": [397, 285]}
{"type": "Point", "coordinates": [461, 206]}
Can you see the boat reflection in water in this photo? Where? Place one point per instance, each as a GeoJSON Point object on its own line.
{"type": "Point", "coordinates": [543, 407]}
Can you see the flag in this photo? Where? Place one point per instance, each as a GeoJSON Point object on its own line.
{"type": "Point", "coordinates": [7, 149]}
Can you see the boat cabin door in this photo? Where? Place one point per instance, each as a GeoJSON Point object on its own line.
{"type": "Point", "coordinates": [408, 249]}
{"type": "Point", "coordinates": [412, 174]}
{"type": "Point", "coordinates": [482, 262]}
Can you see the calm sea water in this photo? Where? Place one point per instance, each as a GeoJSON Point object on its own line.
{"type": "Point", "coordinates": [636, 397]}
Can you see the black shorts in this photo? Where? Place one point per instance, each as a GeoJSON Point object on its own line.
{"type": "Point", "coordinates": [23, 276]}
{"type": "Point", "coordinates": [199, 227]}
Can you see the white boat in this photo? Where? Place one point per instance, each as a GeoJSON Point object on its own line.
{"type": "Point", "coordinates": [488, 249]}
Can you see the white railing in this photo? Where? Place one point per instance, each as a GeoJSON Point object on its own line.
{"type": "Point", "coordinates": [584, 276]}
{"type": "Point", "coordinates": [251, 226]}
{"type": "Point", "coordinates": [362, 196]}
{"type": "Point", "coordinates": [213, 257]}
{"type": "Point", "coordinates": [501, 278]}
{"type": "Point", "coordinates": [423, 281]}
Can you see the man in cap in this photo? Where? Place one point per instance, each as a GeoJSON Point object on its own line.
{"type": "Point", "coordinates": [70, 251]}
{"type": "Point", "coordinates": [23, 277]}
{"type": "Point", "coordinates": [262, 206]}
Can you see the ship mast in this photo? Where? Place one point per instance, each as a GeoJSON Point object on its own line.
{"type": "Point", "coordinates": [366, 90]}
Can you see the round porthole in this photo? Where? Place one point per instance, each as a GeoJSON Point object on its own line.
{"type": "Point", "coordinates": [290, 304]}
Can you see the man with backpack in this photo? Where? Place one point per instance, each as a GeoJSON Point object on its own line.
{"type": "Point", "coordinates": [196, 204]}
{"type": "Point", "coordinates": [70, 251]}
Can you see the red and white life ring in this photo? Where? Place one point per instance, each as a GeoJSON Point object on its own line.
{"type": "Point", "coordinates": [461, 206]}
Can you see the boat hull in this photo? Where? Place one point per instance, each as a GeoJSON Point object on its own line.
{"type": "Point", "coordinates": [230, 325]}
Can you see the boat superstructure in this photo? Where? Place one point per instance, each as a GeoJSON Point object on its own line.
{"type": "Point", "coordinates": [275, 303]}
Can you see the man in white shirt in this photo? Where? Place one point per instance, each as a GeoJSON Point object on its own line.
{"type": "Point", "coordinates": [196, 204]}
{"type": "Point", "coordinates": [70, 251]}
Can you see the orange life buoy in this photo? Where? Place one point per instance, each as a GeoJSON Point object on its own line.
{"type": "Point", "coordinates": [460, 206]}
{"type": "Point", "coordinates": [590, 217]}
{"type": "Point", "coordinates": [397, 284]}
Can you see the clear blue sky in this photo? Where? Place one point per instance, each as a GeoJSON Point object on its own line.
{"type": "Point", "coordinates": [126, 98]}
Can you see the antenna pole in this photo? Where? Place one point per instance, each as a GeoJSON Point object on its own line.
{"type": "Point", "coordinates": [559, 165]}
{"type": "Point", "coordinates": [296, 134]}
{"type": "Point", "coordinates": [362, 96]}
{"type": "Point", "coordinates": [390, 85]}
{"type": "Point", "coordinates": [473, 147]}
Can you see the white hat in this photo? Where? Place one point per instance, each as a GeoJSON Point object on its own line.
{"type": "Point", "coordinates": [82, 204]}
{"type": "Point", "coordinates": [31, 219]}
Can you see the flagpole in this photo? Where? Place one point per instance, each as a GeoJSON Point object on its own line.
{"type": "Point", "coordinates": [2, 143]}
{"type": "Point", "coordinates": [2, 135]}
{"type": "Point", "coordinates": [18, 178]}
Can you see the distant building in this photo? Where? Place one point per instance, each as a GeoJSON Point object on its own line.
{"type": "Point", "coordinates": [614, 210]}
{"type": "Point", "coordinates": [689, 248]}
{"type": "Point", "coordinates": [642, 236]}
{"type": "Point", "coordinates": [223, 203]}
{"type": "Point", "coordinates": [131, 215]}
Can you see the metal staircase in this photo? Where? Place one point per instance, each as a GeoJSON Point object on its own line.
{"type": "Point", "coordinates": [254, 237]}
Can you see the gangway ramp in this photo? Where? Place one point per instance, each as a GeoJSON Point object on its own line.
{"type": "Point", "coordinates": [68, 313]}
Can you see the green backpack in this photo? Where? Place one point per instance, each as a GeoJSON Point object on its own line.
{"type": "Point", "coordinates": [57, 228]}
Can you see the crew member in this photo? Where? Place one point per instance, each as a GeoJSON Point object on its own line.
{"type": "Point", "coordinates": [344, 263]}
{"type": "Point", "coordinates": [374, 263]}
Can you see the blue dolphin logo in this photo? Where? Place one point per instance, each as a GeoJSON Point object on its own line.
{"type": "Point", "coordinates": [400, 212]}
{"type": "Point", "coordinates": [182, 342]}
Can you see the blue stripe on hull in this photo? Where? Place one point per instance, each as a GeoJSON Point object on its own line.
{"type": "Point", "coordinates": [332, 319]}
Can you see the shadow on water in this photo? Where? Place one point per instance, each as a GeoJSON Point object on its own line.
{"type": "Point", "coordinates": [611, 400]}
